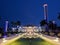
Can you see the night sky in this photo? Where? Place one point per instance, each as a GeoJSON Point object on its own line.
{"type": "Point", "coordinates": [28, 11]}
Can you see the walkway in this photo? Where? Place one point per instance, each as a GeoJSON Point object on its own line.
{"type": "Point", "coordinates": [50, 39]}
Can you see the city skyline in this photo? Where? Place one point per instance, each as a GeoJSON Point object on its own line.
{"type": "Point", "coordinates": [29, 11]}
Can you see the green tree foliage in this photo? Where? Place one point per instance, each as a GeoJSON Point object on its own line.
{"type": "Point", "coordinates": [43, 22]}
{"type": "Point", "coordinates": [52, 25]}
{"type": "Point", "coordinates": [15, 23]}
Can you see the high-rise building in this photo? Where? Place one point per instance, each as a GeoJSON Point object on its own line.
{"type": "Point", "coordinates": [45, 11]}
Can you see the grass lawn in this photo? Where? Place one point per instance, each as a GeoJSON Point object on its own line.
{"type": "Point", "coordinates": [32, 41]}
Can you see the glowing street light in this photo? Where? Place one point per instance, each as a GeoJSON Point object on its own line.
{"type": "Point", "coordinates": [4, 40]}
{"type": "Point", "coordinates": [57, 39]}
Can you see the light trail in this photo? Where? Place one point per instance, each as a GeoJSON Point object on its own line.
{"type": "Point", "coordinates": [47, 39]}
{"type": "Point", "coordinates": [12, 40]}
{"type": "Point", "coordinates": [30, 36]}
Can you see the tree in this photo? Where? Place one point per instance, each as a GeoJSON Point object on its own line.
{"type": "Point", "coordinates": [1, 30]}
{"type": "Point", "coordinates": [44, 26]}
{"type": "Point", "coordinates": [52, 25]}
{"type": "Point", "coordinates": [15, 23]}
{"type": "Point", "coordinates": [58, 16]}
{"type": "Point", "coordinates": [18, 23]}
{"type": "Point", "coordinates": [43, 22]}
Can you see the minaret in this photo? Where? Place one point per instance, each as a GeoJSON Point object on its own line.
{"type": "Point", "coordinates": [45, 11]}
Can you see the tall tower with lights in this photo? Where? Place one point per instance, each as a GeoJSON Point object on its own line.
{"type": "Point", "coordinates": [6, 26]}
{"type": "Point", "coordinates": [45, 11]}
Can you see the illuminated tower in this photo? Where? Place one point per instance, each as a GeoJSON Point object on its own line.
{"type": "Point", "coordinates": [45, 11]}
{"type": "Point", "coordinates": [6, 26]}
